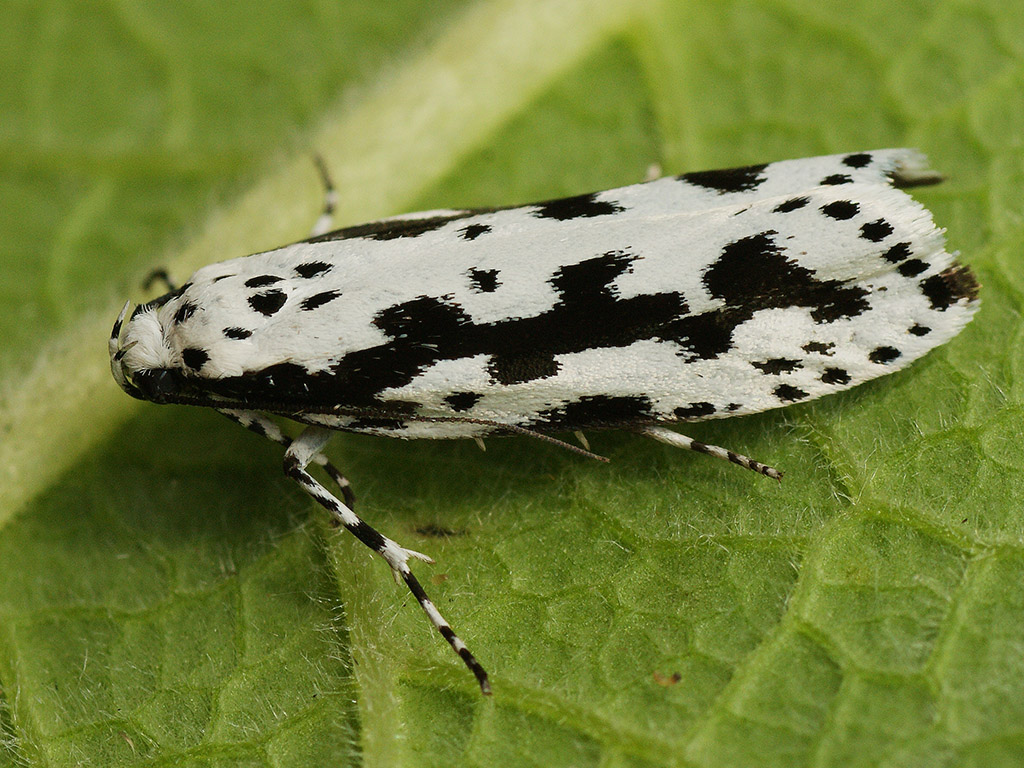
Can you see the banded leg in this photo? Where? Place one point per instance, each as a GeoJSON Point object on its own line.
{"type": "Point", "coordinates": [159, 275]}
{"type": "Point", "coordinates": [663, 435]}
{"type": "Point", "coordinates": [326, 219]}
{"type": "Point", "coordinates": [300, 453]}
{"type": "Point", "coordinates": [264, 427]}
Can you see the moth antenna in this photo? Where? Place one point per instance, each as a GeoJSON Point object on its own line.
{"type": "Point", "coordinates": [552, 441]}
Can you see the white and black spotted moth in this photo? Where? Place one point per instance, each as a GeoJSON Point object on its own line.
{"type": "Point", "coordinates": [685, 298]}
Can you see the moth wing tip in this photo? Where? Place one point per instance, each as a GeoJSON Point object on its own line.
{"type": "Point", "coordinates": [912, 169]}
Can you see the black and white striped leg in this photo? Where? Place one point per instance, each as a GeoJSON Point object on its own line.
{"type": "Point", "coordinates": [325, 221]}
{"type": "Point", "coordinates": [159, 275]}
{"type": "Point", "coordinates": [261, 425]}
{"type": "Point", "coordinates": [663, 435]}
{"type": "Point", "coordinates": [304, 449]}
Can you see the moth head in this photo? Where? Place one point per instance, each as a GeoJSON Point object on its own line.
{"type": "Point", "coordinates": [141, 359]}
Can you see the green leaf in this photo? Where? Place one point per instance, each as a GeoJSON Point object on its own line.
{"type": "Point", "coordinates": [169, 598]}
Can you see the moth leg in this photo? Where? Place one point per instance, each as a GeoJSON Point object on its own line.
{"type": "Point", "coordinates": [264, 427]}
{"type": "Point", "coordinates": [663, 435]}
{"type": "Point", "coordinates": [300, 453]}
{"type": "Point", "coordinates": [159, 275]}
{"type": "Point", "coordinates": [326, 219]}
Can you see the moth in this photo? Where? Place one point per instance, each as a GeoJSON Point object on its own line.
{"type": "Point", "coordinates": [690, 297]}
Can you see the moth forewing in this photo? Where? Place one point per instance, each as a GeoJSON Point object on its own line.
{"type": "Point", "coordinates": [690, 297]}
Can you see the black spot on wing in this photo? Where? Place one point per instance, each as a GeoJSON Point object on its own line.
{"type": "Point", "coordinates": [318, 300]}
{"type": "Point", "coordinates": [950, 286]}
{"type": "Point", "coordinates": [835, 376]}
{"type": "Point", "coordinates": [423, 331]}
{"type": "Point", "coordinates": [522, 367]}
{"type": "Point", "coordinates": [841, 210]}
{"type": "Point", "coordinates": [707, 335]}
{"type": "Point", "coordinates": [750, 275]}
{"type": "Point", "coordinates": [312, 269]}
{"type": "Point", "coordinates": [745, 179]}
{"type": "Point", "coordinates": [788, 393]}
{"type": "Point", "coordinates": [525, 350]}
{"type": "Point", "coordinates": [391, 229]}
{"type": "Point", "coordinates": [822, 348]}
{"type": "Point", "coordinates": [694, 411]}
{"type": "Point", "coordinates": [484, 280]}
{"type": "Point", "coordinates": [237, 333]}
{"type": "Point", "coordinates": [776, 366]}
{"type": "Point", "coordinates": [473, 231]}
{"type": "Point", "coordinates": [268, 302]}
{"type": "Point", "coordinates": [283, 376]}
{"type": "Point", "coordinates": [836, 179]}
{"type": "Point", "coordinates": [221, 277]}
{"type": "Point", "coordinates": [409, 228]}
{"type": "Point", "coordinates": [912, 268]}
{"type": "Point", "coordinates": [185, 311]}
{"type": "Point", "coordinates": [594, 411]}
{"type": "Point", "coordinates": [578, 207]}
{"type": "Point", "coordinates": [754, 274]}
{"type": "Point", "coordinates": [876, 231]}
{"type": "Point", "coordinates": [733, 407]}
{"type": "Point", "coordinates": [793, 204]}
{"type": "Point", "coordinates": [882, 355]}
{"type": "Point", "coordinates": [897, 253]}
{"type": "Point", "coordinates": [423, 321]}
{"type": "Point", "coordinates": [289, 384]}
{"type": "Point", "coordinates": [919, 330]}
{"type": "Point", "coordinates": [194, 358]}
{"type": "Point", "coordinates": [858, 160]}
{"type": "Point", "coordinates": [462, 401]}
{"type": "Point", "coordinates": [261, 280]}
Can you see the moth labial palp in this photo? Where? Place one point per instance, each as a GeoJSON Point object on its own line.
{"type": "Point", "coordinates": [685, 298]}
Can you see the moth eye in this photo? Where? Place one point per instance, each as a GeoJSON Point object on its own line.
{"type": "Point", "coordinates": [157, 384]}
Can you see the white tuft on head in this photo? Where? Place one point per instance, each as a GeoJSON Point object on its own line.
{"type": "Point", "coordinates": [145, 344]}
